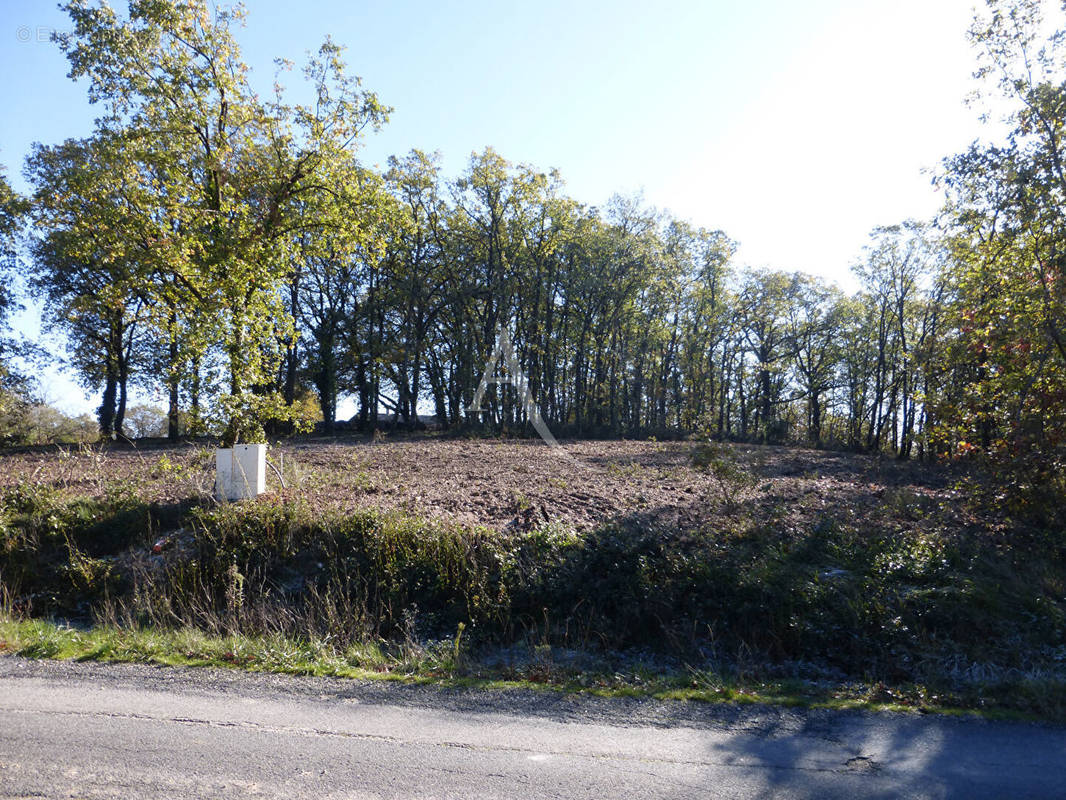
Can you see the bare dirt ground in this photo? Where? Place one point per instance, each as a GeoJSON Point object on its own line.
{"type": "Point", "coordinates": [508, 484]}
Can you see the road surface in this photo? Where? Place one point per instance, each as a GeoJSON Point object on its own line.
{"type": "Point", "coordinates": [108, 731]}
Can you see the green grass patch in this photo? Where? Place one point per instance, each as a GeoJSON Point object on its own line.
{"type": "Point", "coordinates": [379, 661]}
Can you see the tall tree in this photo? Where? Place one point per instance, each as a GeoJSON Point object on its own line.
{"type": "Point", "coordinates": [89, 262]}
{"type": "Point", "coordinates": [228, 170]}
{"type": "Point", "coordinates": [1006, 208]}
{"type": "Point", "coordinates": [814, 322]}
{"type": "Point", "coordinates": [15, 386]}
{"type": "Point", "coordinates": [332, 261]}
{"type": "Point", "coordinates": [898, 266]}
{"type": "Point", "coordinates": [763, 303]}
{"type": "Point", "coordinates": [417, 281]}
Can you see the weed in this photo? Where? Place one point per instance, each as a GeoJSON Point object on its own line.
{"type": "Point", "coordinates": [632, 469]}
{"type": "Point", "coordinates": [362, 481]}
{"type": "Point", "coordinates": [721, 462]}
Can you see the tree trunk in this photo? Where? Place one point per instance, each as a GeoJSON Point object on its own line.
{"type": "Point", "coordinates": [106, 412]}
{"type": "Point", "coordinates": [120, 410]}
{"type": "Point", "coordinates": [173, 419]}
{"type": "Point", "coordinates": [326, 382]}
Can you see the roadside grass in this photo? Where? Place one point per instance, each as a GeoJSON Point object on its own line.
{"type": "Point", "coordinates": [440, 666]}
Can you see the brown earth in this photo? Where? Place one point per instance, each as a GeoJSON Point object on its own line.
{"type": "Point", "coordinates": [524, 483]}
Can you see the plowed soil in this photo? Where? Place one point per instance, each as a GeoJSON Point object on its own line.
{"type": "Point", "coordinates": [507, 484]}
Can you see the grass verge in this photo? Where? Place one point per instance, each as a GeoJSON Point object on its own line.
{"type": "Point", "coordinates": [443, 665]}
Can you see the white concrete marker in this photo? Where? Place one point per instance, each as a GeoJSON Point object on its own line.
{"type": "Point", "coordinates": [240, 472]}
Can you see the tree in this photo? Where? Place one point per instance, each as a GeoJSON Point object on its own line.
{"type": "Point", "coordinates": [227, 174]}
{"type": "Point", "coordinates": [332, 263]}
{"type": "Point", "coordinates": [897, 267]}
{"type": "Point", "coordinates": [706, 327]}
{"type": "Point", "coordinates": [89, 262]}
{"type": "Point", "coordinates": [1008, 281]}
{"type": "Point", "coordinates": [814, 323]}
{"type": "Point", "coordinates": [146, 421]}
{"type": "Point", "coordinates": [763, 303]}
{"type": "Point", "coordinates": [417, 280]}
{"type": "Point", "coordinates": [15, 387]}
{"type": "Point", "coordinates": [12, 211]}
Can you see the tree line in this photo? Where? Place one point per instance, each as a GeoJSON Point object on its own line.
{"type": "Point", "coordinates": [232, 250]}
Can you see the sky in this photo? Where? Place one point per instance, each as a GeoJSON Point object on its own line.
{"type": "Point", "coordinates": [796, 128]}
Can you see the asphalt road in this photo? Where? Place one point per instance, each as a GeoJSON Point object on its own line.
{"type": "Point", "coordinates": [99, 731]}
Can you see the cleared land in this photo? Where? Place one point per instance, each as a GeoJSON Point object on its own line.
{"type": "Point", "coordinates": [524, 483]}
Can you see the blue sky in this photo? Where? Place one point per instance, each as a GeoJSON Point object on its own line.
{"type": "Point", "coordinates": [794, 127]}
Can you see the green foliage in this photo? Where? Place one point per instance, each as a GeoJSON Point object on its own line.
{"type": "Point", "coordinates": [721, 462]}
{"type": "Point", "coordinates": [16, 387]}
{"type": "Point", "coordinates": [144, 421]}
{"type": "Point", "coordinates": [235, 250]}
{"type": "Point", "coordinates": [1007, 363]}
{"type": "Point", "coordinates": [31, 423]}
{"type": "Point", "coordinates": [13, 209]}
{"type": "Point", "coordinates": [188, 198]}
{"type": "Point", "coordinates": [56, 552]}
